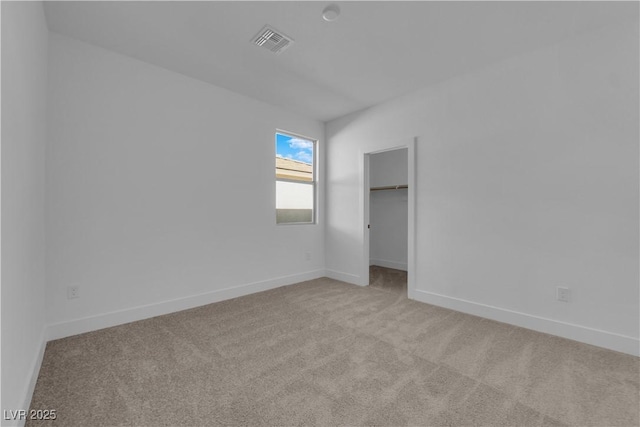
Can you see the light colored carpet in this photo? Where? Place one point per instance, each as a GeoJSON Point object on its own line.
{"type": "Point", "coordinates": [328, 353]}
{"type": "Point", "coordinates": [388, 279]}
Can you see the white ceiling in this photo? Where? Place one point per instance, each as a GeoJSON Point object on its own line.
{"type": "Point", "coordinates": [373, 52]}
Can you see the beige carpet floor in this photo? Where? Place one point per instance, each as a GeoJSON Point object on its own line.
{"type": "Point", "coordinates": [388, 279]}
{"type": "Point", "coordinates": [328, 353]}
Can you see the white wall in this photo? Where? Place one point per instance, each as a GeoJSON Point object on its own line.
{"type": "Point", "coordinates": [388, 168]}
{"type": "Point", "coordinates": [161, 192]}
{"type": "Point", "coordinates": [527, 178]}
{"type": "Point", "coordinates": [388, 209]}
{"type": "Point", "coordinates": [24, 79]}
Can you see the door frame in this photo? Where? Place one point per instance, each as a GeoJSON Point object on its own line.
{"type": "Point", "coordinates": [410, 146]}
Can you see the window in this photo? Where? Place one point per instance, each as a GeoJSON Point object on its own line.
{"type": "Point", "coordinates": [295, 179]}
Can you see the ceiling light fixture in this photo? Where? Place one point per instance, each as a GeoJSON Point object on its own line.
{"type": "Point", "coordinates": [331, 12]}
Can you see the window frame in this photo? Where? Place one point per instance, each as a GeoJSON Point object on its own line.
{"type": "Point", "coordinates": [312, 183]}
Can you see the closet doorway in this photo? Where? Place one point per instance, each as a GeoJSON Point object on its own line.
{"type": "Point", "coordinates": [389, 229]}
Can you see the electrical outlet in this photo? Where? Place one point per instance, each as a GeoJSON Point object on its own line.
{"type": "Point", "coordinates": [307, 256]}
{"type": "Point", "coordinates": [73, 292]}
{"type": "Point", "coordinates": [563, 294]}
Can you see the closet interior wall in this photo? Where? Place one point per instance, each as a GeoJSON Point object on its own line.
{"type": "Point", "coordinates": [388, 209]}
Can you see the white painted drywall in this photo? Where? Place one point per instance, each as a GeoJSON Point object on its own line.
{"type": "Point", "coordinates": [161, 187]}
{"type": "Point", "coordinates": [24, 79]}
{"type": "Point", "coordinates": [388, 168]}
{"type": "Point", "coordinates": [527, 179]}
{"type": "Point", "coordinates": [388, 209]}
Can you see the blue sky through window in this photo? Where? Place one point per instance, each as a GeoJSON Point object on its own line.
{"type": "Point", "coordinates": [295, 148]}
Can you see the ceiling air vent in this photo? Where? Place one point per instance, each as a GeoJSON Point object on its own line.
{"type": "Point", "coordinates": [272, 39]}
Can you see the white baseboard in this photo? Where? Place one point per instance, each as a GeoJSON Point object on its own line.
{"type": "Point", "coordinates": [389, 264]}
{"type": "Point", "coordinates": [27, 394]}
{"type": "Point", "coordinates": [92, 323]}
{"type": "Point", "coordinates": [610, 340]}
{"type": "Point", "coordinates": [344, 277]}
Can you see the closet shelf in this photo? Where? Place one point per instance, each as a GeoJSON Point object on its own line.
{"type": "Point", "coordinates": [389, 187]}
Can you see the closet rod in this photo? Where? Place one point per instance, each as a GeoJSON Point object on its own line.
{"type": "Point", "coordinates": [389, 187]}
